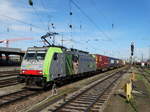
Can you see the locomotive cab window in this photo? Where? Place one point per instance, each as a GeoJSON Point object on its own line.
{"type": "Point", "coordinates": [55, 56]}
{"type": "Point", "coordinates": [38, 55]}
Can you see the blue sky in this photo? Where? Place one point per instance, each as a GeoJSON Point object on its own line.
{"type": "Point", "coordinates": [130, 18]}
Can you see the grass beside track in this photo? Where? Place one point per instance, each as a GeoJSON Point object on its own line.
{"type": "Point", "coordinates": [140, 77]}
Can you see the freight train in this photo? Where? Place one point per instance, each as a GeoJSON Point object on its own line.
{"type": "Point", "coordinates": [42, 66]}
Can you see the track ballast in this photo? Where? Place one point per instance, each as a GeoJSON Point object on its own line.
{"type": "Point", "coordinates": [90, 99]}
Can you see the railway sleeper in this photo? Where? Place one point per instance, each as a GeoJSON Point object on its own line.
{"type": "Point", "coordinates": [78, 104]}
{"type": "Point", "coordinates": [68, 110]}
{"type": "Point", "coordinates": [87, 96]}
{"type": "Point", "coordinates": [95, 110]}
{"type": "Point", "coordinates": [89, 99]}
{"type": "Point", "coordinates": [86, 103]}
{"type": "Point", "coordinates": [74, 108]}
{"type": "Point", "coordinates": [83, 101]}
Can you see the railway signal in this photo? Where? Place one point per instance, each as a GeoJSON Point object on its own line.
{"type": "Point", "coordinates": [30, 2]}
{"type": "Point", "coordinates": [132, 51]}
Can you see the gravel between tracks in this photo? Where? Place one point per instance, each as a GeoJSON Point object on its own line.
{"type": "Point", "coordinates": [26, 104]}
{"type": "Point", "coordinates": [10, 89]}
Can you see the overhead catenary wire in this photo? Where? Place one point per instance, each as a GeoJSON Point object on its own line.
{"type": "Point", "coordinates": [108, 20]}
{"type": "Point", "coordinates": [44, 6]}
{"type": "Point", "coordinates": [48, 15]}
{"type": "Point", "coordinates": [107, 37]}
{"type": "Point", "coordinates": [82, 11]}
{"type": "Point", "coordinates": [52, 24]}
{"type": "Point", "coordinates": [21, 21]}
{"type": "Point", "coordinates": [105, 18]}
{"type": "Point", "coordinates": [36, 12]}
{"type": "Point", "coordinates": [90, 19]}
{"type": "Point", "coordinates": [70, 13]}
{"type": "Point", "coordinates": [37, 15]}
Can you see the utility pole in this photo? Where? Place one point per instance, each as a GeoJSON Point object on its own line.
{"type": "Point", "coordinates": [149, 52]}
{"type": "Point", "coordinates": [62, 39]}
{"type": "Point", "coordinates": [53, 40]}
{"type": "Point", "coordinates": [148, 65]}
{"type": "Point", "coordinates": [142, 57]}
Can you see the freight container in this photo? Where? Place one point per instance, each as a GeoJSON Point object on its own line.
{"type": "Point", "coordinates": [102, 62]}
{"type": "Point", "coordinates": [113, 62]}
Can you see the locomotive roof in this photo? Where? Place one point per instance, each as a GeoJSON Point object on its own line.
{"type": "Point", "coordinates": [37, 48]}
{"type": "Point", "coordinates": [46, 47]}
{"type": "Point", "coordinates": [79, 51]}
{"type": "Point", "coordinates": [62, 47]}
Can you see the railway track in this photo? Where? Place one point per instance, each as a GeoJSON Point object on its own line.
{"type": "Point", "coordinates": [148, 79]}
{"type": "Point", "coordinates": [11, 71]}
{"type": "Point", "coordinates": [8, 73]}
{"type": "Point", "coordinates": [16, 96]}
{"type": "Point", "coordinates": [8, 82]}
{"type": "Point", "coordinates": [143, 72]}
{"type": "Point", "coordinates": [22, 94]}
{"type": "Point", "coordinates": [8, 78]}
{"type": "Point", "coordinates": [145, 76]}
{"type": "Point", "coordinates": [90, 99]}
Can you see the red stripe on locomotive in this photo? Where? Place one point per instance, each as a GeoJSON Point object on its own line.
{"type": "Point", "coordinates": [31, 72]}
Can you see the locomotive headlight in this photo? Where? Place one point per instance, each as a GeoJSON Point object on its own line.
{"type": "Point", "coordinates": [40, 72]}
{"type": "Point", "coordinates": [22, 71]}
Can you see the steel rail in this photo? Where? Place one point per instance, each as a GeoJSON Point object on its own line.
{"type": "Point", "coordinates": [6, 72]}
{"type": "Point", "coordinates": [83, 96]}
{"type": "Point", "coordinates": [146, 77]}
{"type": "Point", "coordinates": [8, 82]}
{"type": "Point", "coordinates": [16, 96]}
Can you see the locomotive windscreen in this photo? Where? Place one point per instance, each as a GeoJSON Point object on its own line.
{"type": "Point", "coordinates": [39, 55]}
